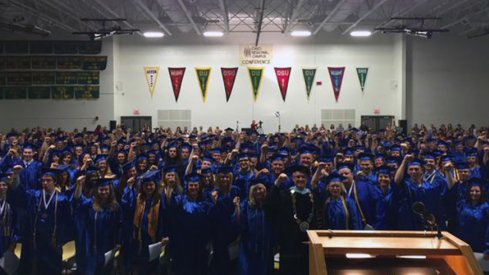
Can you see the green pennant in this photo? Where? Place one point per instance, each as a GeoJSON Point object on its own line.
{"type": "Point", "coordinates": [362, 76]}
{"type": "Point", "coordinates": [256, 74]}
{"type": "Point", "coordinates": [309, 75]}
{"type": "Point", "coordinates": [203, 78]}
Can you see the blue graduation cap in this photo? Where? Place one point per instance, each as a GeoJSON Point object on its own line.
{"type": "Point", "coordinates": [396, 148]}
{"type": "Point", "coordinates": [366, 157]}
{"type": "Point", "coordinates": [224, 169]}
{"type": "Point", "coordinates": [472, 153]}
{"type": "Point", "coordinates": [475, 181]}
{"type": "Point", "coordinates": [416, 162]}
{"type": "Point", "coordinates": [4, 177]}
{"type": "Point", "coordinates": [341, 165]}
{"type": "Point", "coordinates": [150, 176]}
{"type": "Point", "coordinates": [206, 171]}
{"type": "Point", "coordinates": [104, 182]}
{"type": "Point", "coordinates": [349, 152]}
{"type": "Point", "coordinates": [462, 165]}
{"type": "Point", "coordinates": [326, 159]}
{"type": "Point", "coordinates": [335, 177]}
{"type": "Point", "coordinates": [208, 158]}
{"type": "Point", "coordinates": [141, 158]}
{"type": "Point", "coordinates": [446, 158]}
{"type": "Point", "coordinates": [442, 142]}
{"type": "Point", "coordinates": [384, 170]}
{"type": "Point", "coordinates": [100, 158]}
{"type": "Point", "coordinates": [50, 172]}
{"type": "Point", "coordinates": [243, 156]}
{"type": "Point", "coordinates": [170, 169]}
{"type": "Point", "coordinates": [276, 157]}
{"type": "Point", "coordinates": [128, 166]}
{"type": "Point", "coordinates": [192, 177]}
{"type": "Point", "coordinates": [428, 156]}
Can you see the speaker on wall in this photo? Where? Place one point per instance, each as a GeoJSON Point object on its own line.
{"type": "Point", "coordinates": [403, 125]}
{"type": "Point", "coordinates": [112, 124]}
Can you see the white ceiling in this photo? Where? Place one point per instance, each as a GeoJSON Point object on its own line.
{"type": "Point", "coordinates": [175, 17]}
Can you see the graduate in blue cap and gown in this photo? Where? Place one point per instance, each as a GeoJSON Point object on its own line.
{"type": "Point", "coordinates": [31, 171]}
{"type": "Point", "coordinates": [385, 176]}
{"type": "Point", "coordinates": [244, 175]}
{"type": "Point", "coordinates": [473, 162]}
{"type": "Point", "coordinates": [255, 251]}
{"type": "Point", "coordinates": [102, 220]}
{"type": "Point", "coordinates": [51, 223]}
{"type": "Point", "coordinates": [207, 180]}
{"type": "Point", "coordinates": [224, 231]}
{"type": "Point", "coordinates": [144, 223]}
{"type": "Point", "coordinates": [415, 189]}
{"type": "Point", "coordinates": [473, 218]}
{"type": "Point", "coordinates": [336, 210]}
{"type": "Point", "coordinates": [292, 213]}
{"type": "Point", "coordinates": [367, 197]}
{"type": "Point", "coordinates": [190, 229]}
{"type": "Point", "coordinates": [9, 231]}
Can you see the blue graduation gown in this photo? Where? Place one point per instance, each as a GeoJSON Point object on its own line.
{"type": "Point", "coordinates": [8, 228]}
{"type": "Point", "coordinates": [43, 223]}
{"type": "Point", "coordinates": [432, 195]}
{"type": "Point", "coordinates": [243, 182]}
{"type": "Point", "coordinates": [30, 174]}
{"type": "Point", "coordinates": [368, 200]}
{"type": "Point", "coordinates": [338, 218]}
{"type": "Point", "coordinates": [102, 233]}
{"type": "Point", "coordinates": [136, 252]}
{"type": "Point", "coordinates": [189, 233]}
{"type": "Point", "coordinates": [255, 252]}
{"type": "Point", "coordinates": [224, 231]}
{"type": "Point", "coordinates": [473, 225]}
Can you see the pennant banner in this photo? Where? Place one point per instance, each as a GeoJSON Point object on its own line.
{"type": "Point", "coordinates": [176, 77]}
{"type": "Point", "coordinates": [336, 76]}
{"type": "Point", "coordinates": [256, 75]}
{"type": "Point", "coordinates": [151, 74]}
{"type": "Point", "coordinates": [203, 75]}
{"type": "Point", "coordinates": [283, 76]}
{"type": "Point", "coordinates": [228, 78]}
{"type": "Point", "coordinates": [309, 75]}
{"type": "Point", "coordinates": [362, 76]}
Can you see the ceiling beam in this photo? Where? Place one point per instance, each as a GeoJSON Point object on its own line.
{"type": "Point", "coordinates": [260, 21]}
{"type": "Point", "coordinates": [189, 17]}
{"type": "Point", "coordinates": [465, 17]}
{"type": "Point", "coordinates": [143, 6]}
{"type": "Point", "coordinates": [224, 8]}
{"type": "Point", "coordinates": [114, 14]}
{"type": "Point", "coordinates": [364, 16]}
{"type": "Point", "coordinates": [330, 15]}
{"type": "Point", "coordinates": [43, 16]}
{"type": "Point", "coordinates": [294, 16]}
{"type": "Point", "coordinates": [400, 13]}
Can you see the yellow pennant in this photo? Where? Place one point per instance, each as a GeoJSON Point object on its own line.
{"type": "Point", "coordinates": [151, 74]}
{"type": "Point", "coordinates": [203, 75]}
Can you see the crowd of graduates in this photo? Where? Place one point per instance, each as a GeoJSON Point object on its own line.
{"type": "Point", "coordinates": [207, 196]}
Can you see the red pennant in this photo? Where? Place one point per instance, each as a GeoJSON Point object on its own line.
{"type": "Point", "coordinates": [283, 76]}
{"type": "Point", "coordinates": [336, 75]}
{"type": "Point", "coordinates": [228, 77]}
{"type": "Point", "coordinates": [176, 77]}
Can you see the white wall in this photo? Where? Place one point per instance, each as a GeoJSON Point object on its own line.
{"type": "Point", "coordinates": [380, 54]}
{"type": "Point", "coordinates": [447, 80]}
{"type": "Point", "coordinates": [67, 114]}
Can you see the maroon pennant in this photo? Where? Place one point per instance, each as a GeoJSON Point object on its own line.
{"type": "Point", "coordinates": [336, 76]}
{"type": "Point", "coordinates": [283, 76]}
{"type": "Point", "coordinates": [228, 77]}
{"type": "Point", "coordinates": [176, 77]}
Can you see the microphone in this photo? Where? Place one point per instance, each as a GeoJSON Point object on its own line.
{"type": "Point", "coordinates": [428, 218]}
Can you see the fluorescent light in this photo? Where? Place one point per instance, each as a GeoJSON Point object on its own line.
{"type": "Point", "coordinates": [421, 257]}
{"type": "Point", "coordinates": [153, 34]}
{"type": "Point", "coordinates": [301, 33]}
{"type": "Point", "coordinates": [361, 33]}
{"type": "Point", "coordinates": [213, 34]}
{"type": "Point", "coordinates": [359, 256]}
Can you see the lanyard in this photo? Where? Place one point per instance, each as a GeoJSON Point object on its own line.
{"type": "Point", "coordinates": [355, 194]}
{"type": "Point", "coordinates": [2, 207]}
{"type": "Point", "coordinates": [46, 205]}
{"type": "Point", "coordinates": [347, 213]}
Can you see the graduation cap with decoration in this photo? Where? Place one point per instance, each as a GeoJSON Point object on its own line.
{"type": "Point", "coordinates": [150, 176]}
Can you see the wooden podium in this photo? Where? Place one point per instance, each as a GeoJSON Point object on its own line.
{"type": "Point", "coordinates": [389, 252]}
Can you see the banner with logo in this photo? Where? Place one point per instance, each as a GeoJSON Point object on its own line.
{"type": "Point", "coordinates": [176, 77]}
{"type": "Point", "coordinates": [256, 75]}
{"type": "Point", "coordinates": [309, 75]}
{"type": "Point", "coordinates": [151, 74]}
{"type": "Point", "coordinates": [203, 75]}
{"type": "Point", "coordinates": [228, 78]}
{"type": "Point", "coordinates": [283, 76]}
{"type": "Point", "coordinates": [255, 55]}
{"type": "Point", "coordinates": [336, 76]}
{"type": "Point", "coordinates": [362, 76]}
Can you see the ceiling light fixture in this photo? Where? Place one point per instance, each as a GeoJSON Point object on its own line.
{"type": "Point", "coordinates": [301, 33]}
{"type": "Point", "coordinates": [153, 34]}
{"type": "Point", "coordinates": [361, 33]}
{"type": "Point", "coordinates": [213, 34]}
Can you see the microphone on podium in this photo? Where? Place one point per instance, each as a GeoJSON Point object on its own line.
{"type": "Point", "coordinates": [428, 218]}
